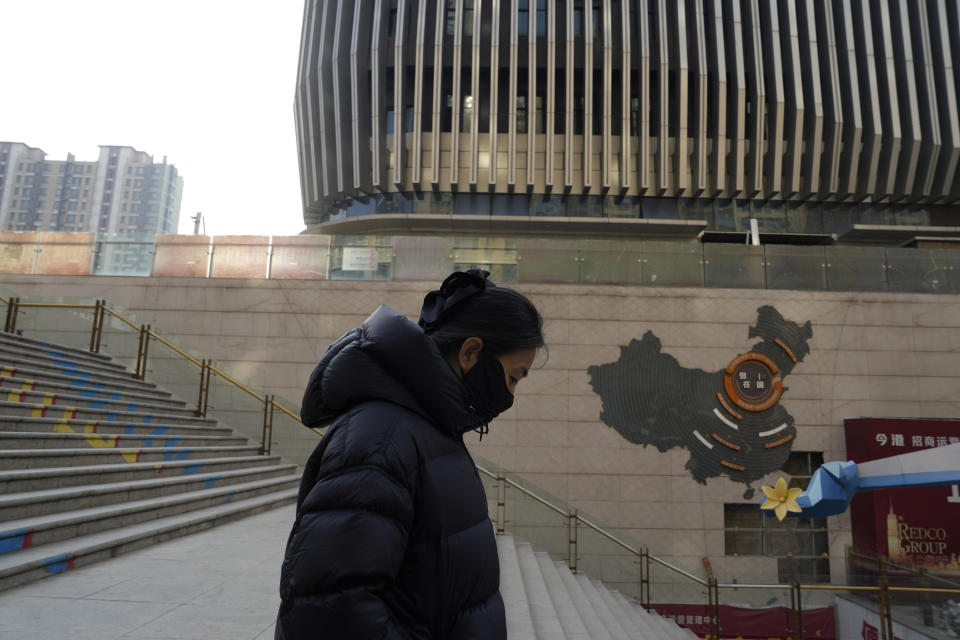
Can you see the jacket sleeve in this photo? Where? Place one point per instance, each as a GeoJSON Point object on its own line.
{"type": "Point", "coordinates": [346, 547]}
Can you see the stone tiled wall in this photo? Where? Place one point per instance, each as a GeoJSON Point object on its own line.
{"type": "Point", "coordinates": [884, 355]}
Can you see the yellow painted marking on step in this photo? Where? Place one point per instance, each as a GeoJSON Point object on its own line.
{"type": "Point", "coordinates": [8, 371]}
{"type": "Point", "coordinates": [130, 455]}
{"type": "Point", "coordinates": [158, 468]}
{"type": "Point", "coordinates": [15, 396]}
{"type": "Point", "coordinates": [70, 413]}
{"type": "Point", "coordinates": [39, 411]}
{"type": "Point", "coordinates": [62, 426]}
{"type": "Point", "coordinates": [29, 385]}
{"type": "Point", "coordinates": [49, 398]}
{"type": "Point", "coordinates": [101, 442]}
{"type": "Point", "coordinates": [91, 426]}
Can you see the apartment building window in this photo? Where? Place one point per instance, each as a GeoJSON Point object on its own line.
{"type": "Point", "coordinates": [466, 121]}
{"type": "Point", "coordinates": [578, 21]}
{"type": "Point", "coordinates": [800, 545]}
{"type": "Point", "coordinates": [541, 18]}
{"type": "Point", "coordinates": [389, 123]}
{"type": "Point", "coordinates": [597, 25]}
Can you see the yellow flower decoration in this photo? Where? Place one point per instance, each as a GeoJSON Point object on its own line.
{"type": "Point", "coordinates": [781, 499]}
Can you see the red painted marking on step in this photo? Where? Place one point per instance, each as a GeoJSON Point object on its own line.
{"type": "Point", "coordinates": [27, 539]}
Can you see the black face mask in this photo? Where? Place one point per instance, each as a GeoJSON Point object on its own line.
{"type": "Point", "coordinates": [487, 392]}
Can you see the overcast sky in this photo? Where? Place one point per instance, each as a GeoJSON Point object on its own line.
{"type": "Point", "coordinates": [207, 83]}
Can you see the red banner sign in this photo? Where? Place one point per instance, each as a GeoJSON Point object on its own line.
{"type": "Point", "coordinates": [918, 526]}
{"type": "Point", "coordinates": [771, 623]}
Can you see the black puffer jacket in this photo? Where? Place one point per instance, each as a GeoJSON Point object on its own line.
{"type": "Point", "coordinates": [392, 537]}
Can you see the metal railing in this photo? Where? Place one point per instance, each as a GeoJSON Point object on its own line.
{"type": "Point", "coordinates": [146, 335]}
{"type": "Point", "coordinates": [643, 559]}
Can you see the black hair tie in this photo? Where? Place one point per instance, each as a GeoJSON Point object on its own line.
{"type": "Point", "coordinates": [456, 288]}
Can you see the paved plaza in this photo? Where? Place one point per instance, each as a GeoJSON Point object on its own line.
{"type": "Point", "coordinates": [218, 584]}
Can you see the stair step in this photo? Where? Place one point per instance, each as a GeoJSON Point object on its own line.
{"type": "Point", "coordinates": [623, 618]}
{"type": "Point", "coordinates": [639, 617]}
{"type": "Point", "coordinates": [30, 458]}
{"type": "Point", "coordinates": [519, 620]}
{"type": "Point", "coordinates": [50, 352]}
{"type": "Point", "coordinates": [84, 391]}
{"type": "Point", "coordinates": [20, 480]}
{"type": "Point", "coordinates": [544, 616]}
{"type": "Point", "coordinates": [43, 358]}
{"type": "Point", "coordinates": [36, 503]}
{"type": "Point", "coordinates": [28, 342]}
{"type": "Point", "coordinates": [30, 398]}
{"type": "Point", "coordinates": [76, 373]}
{"type": "Point", "coordinates": [34, 563]}
{"type": "Point", "coordinates": [573, 627]}
{"type": "Point", "coordinates": [603, 612]}
{"type": "Point", "coordinates": [58, 425]}
{"type": "Point", "coordinates": [80, 382]}
{"type": "Point", "coordinates": [89, 413]}
{"type": "Point", "coordinates": [15, 441]}
{"type": "Point", "coordinates": [588, 615]}
{"type": "Point", "coordinates": [46, 529]}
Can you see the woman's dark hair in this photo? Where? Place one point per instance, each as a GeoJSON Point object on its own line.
{"type": "Point", "coordinates": [504, 319]}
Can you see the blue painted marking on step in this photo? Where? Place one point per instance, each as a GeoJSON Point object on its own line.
{"type": "Point", "coordinates": [59, 564]}
{"type": "Point", "coordinates": [98, 405]}
{"type": "Point", "coordinates": [115, 396]}
{"type": "Point", "coordinates": [112, 416]}
{"type": "Point", "coordinates": [193, 468]}
{"type": "Point", "coordinates": [171, 442]}
{"type": "Point", "coordinates": [129, 429]}
{"type": "Point", "coordinates": [210, 482]}
{"type": "Point", "coordinates": [148, 418]}
{"type": "Point", "coordinates": [177, 455]}
{"type": "Point", "coordinates": [131, 407]}
{"type": "Point", "coordinates": [55, 354]}
{"type": "Point", "coordinates": [160, 430]}
{"type": "Point", "coordinates": [13, 540]}
{"type": "Point", "coordinates": [76, 373]}
{"type": "Point", "coordinates": [70, 364]}
{"type": "Point", "coordinates": [87, 394]}
{"type": "Point", "coordinates": [229, 495]}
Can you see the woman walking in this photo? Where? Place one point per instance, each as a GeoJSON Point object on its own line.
{"type": "Point", "coordinates": [392, 537]}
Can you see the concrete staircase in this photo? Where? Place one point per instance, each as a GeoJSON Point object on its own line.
{"type": "Point", "coordinates": [545, 601]}
{"type": "Point", "coordinates": [94, 463]}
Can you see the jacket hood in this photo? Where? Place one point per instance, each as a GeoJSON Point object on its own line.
{"type": "Point", "coordinates": [387, 358]}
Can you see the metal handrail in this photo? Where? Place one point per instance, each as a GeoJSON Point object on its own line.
{"type": "Point", "coordinates": [14, 305]}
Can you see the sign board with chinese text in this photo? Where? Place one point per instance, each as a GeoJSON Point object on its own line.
{"type": "Point", "coordinates": [768, 623]}
{"type": "Point", "coordinates": [359, 259]}
{"type": "Point", "coordinates": [915, 526]}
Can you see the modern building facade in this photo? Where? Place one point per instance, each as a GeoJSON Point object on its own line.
{"type": "Point", "coordinates": [810, 117]}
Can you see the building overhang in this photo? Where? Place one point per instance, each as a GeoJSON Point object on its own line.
{"type": "Point", "coordinates": [895, 234]}
{"type": "Point", "coordinates": [509, 225]}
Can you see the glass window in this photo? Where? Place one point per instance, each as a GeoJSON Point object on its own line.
{"type": "Point", "coordinates": [392, 23]}
{"type": "Point", "coordinates": [472, 204]}
{"type": "Point", "coordinates": [521, 114]}
{"type": "Point", "coordinates": [510, 205]}
{"type": "Point", "coordinates": [541, 18]}
{"type": "Point", "coordinates": [389, 120]}
{"type": "Point", "coordinates": [451, 17]}
{"type": "Point", "coordinates": [466, 121]}
{"type": "Point", "coordinates": [523, 17]}
{"type": "Point", "coordinates": [578, 21]}
{"type": "Point", "coordinates": [467, 18]}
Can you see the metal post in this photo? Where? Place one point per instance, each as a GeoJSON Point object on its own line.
{"type": "Point", "coordinates": [103, 316]}
{"type": "Point", "coordinates": [799, 635]}
{"type": "Point", "coordinates": [572, 521]}
{"type": "Point", "coordinates": [204, 388]}
{"type": "Point", "coordinates": [501, 502]}
{"type": "Point", "coordinates": [713, 607]}
{"type": "Point", "coordinates": [12, 312]}
{"type": "Point", "coordinates": [645, 577]}
{"type": "Point", "coordinates": [93, 330]}
{"type": "Point", "coordinates": [142, 352]}
{"type": "Point", "coordinates": [267, 435]}
{"type": "Point", "coordinates": [883, 602]}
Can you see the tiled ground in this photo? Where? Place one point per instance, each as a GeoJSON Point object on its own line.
{"type": "Point", "coordinates": [218, 584]}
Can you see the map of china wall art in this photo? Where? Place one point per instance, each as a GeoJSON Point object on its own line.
{"type": "Point", "coordinates": [731, 421]}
